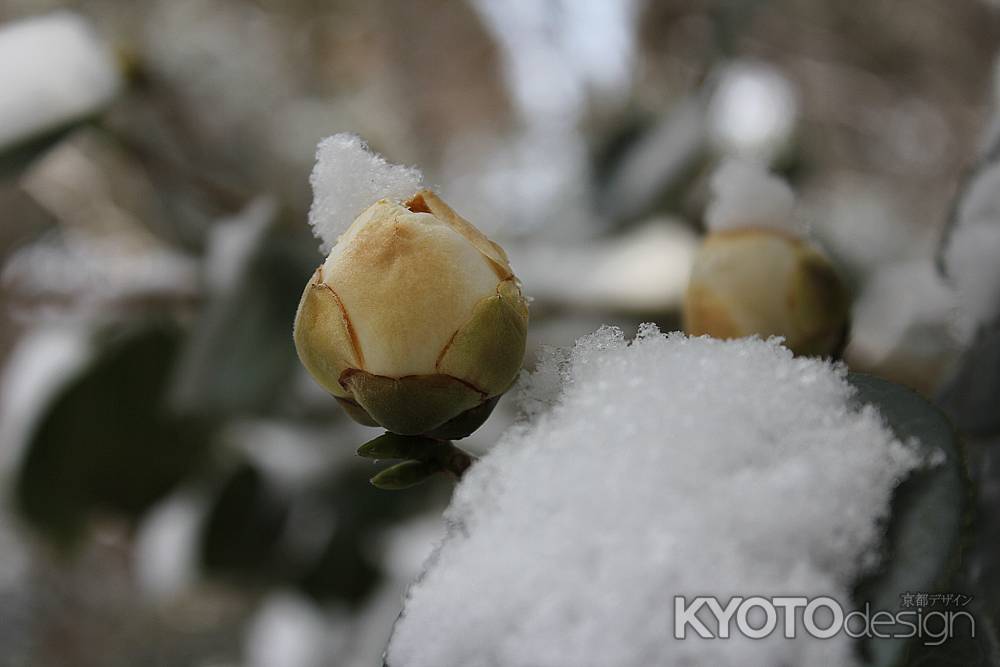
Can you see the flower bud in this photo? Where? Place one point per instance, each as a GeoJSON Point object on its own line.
{"type": "Point", "coordinates": [747, 281]}
{"type": "Point", "coordinates": [415, 322]}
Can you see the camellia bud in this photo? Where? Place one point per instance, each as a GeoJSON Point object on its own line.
{"type": "Point", "coordinates": [755, 275]}
{"type": "Point", "coordinates": [760, 281]}
{"type": "Point", "coordinates": [415, 321]}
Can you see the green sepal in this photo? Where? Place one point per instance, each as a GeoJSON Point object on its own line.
{"type": "Point", "coordinates": [404, 475]}
{"type": "Point", "coordinates": [411, 405]}
{"type": "Point", "coordinates": [356, 412]}
{"type": "Point", "coordinates": [466, 423]}
{"type": "Point", "coordinates": [488, 350]}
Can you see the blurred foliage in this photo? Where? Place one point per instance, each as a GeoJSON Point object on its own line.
{"type": "Point", "coordinates": [15, 159]}
{"type": "Point", "coordinates": [109, 442]}
{"type": "Point", "coordinates": [346, 567]}
{"type": "Point", "coordinates": [240, 357]}
{"type": "Point", "coordinates": [240, 537]}
{"type": "Point", "coordinates": [972, 395]}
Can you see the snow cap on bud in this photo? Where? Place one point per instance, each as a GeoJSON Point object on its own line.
{"type": "Point", "coordinates": [415, 321]}
{"type": "Point", "coordinates": [755, 274]}
{"type": "Point", "coordinates": [745, 195]}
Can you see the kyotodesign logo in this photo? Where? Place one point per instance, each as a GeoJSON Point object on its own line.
{"type": "Point", "coordinates": [821, 617]}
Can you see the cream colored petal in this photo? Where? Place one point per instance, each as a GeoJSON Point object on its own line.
{"type": "Point", "coordinates": [425, 200]}
{"type": "Point", "coordinates": [323, 336]}
{"type": "Point", "coordinates": [746, 272]}
{"type": "Point", "coordinates": [407, 281]}
{"type": "Point", "coordinates": [752, 281]}
{"type": "Point", "coordinates": [705, 314]}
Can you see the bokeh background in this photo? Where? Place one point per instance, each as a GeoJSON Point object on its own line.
{"type": "Point", "coordinates": [176, 490]}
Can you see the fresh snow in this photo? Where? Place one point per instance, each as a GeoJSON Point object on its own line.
{"type": "Point", "coordinates": [745, 194]}
{"type": "Point", "coordinates": [640, 471]}
{"type": "Point", "coordinates": [347, 179]}
{"type": "Point", "coordinates": [53, 70]}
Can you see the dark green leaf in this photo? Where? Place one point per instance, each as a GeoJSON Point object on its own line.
{"type": "Point", "coordinates": [108, 442]}
{"type": "Point", "coordinates": [241, 356]}
{"type": "Point", "coordinates": [347, 569]}
{"type": "Point", "coordinates": [929, 511]}
{"type": "Point", "coordinates": [240, 538]}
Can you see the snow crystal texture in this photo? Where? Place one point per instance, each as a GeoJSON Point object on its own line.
{"type": "Point", "coordinates": [347, 179]}
{"type": "Point", "coordinates": [666, 466]}
{"type": "Point", "coordinates": [53, 70]}
{"type": "Point", "coordinates": [745, 194]}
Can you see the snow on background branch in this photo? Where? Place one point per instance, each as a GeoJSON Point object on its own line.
{"type": "Point", "coordinates": [53, 69]}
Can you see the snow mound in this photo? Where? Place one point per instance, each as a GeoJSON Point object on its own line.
{"type": "Point", "coordinates": [745, 194]}
{"type": "Point", "coordinates": [347, 179]}
{"type": "Point", "coordinates": [666, 466]}
{"type": "Point", "coordinates": [53, 70]}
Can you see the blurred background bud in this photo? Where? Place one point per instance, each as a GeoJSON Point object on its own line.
{"type": "Point", "coordinates": [761, 282]}
{"type": "Point", "coordinates": [755, 275]}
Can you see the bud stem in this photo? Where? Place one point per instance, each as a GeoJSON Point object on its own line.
{"type": "Point", "coordinates": [457, 461]}
{"type": "Point", "coordinates": [422, 456]}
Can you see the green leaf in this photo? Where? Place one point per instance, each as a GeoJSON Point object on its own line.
{"type": "Point", "coordinates": [345, 569]}
{"type": "Point", "coordinates": [929, 512]}
{"type": "Point", "coordinates": [240, 357]}
{"type": "Point", "coordinates": [961, 650]}
{"type": "Point", "coordinates": [108, 442]}
{"type": "Point", "coordinates": [393, 446]}
{"type": "Point", "coordinates": [240, 539]}
{"type": "Point", "coordinates": [404, 475]}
